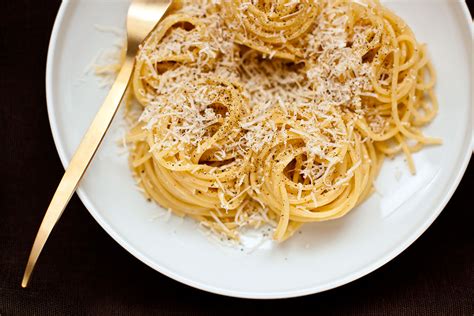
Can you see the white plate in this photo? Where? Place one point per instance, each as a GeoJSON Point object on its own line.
{"type": "Point", "coordinates": [325, 255]}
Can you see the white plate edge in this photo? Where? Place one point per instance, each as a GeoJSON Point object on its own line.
{"type": "Point", "coordinates": [254, 295]}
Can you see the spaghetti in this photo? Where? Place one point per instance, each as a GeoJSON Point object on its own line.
{"type": "Point", "coordinates": [275, 111]}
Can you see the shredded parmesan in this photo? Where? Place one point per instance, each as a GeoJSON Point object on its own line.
{"type": "Point", "coordinates": [272, 112]}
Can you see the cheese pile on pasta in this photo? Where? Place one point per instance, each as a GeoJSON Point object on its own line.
{"type": "Point", "coordinates": [275, 112]}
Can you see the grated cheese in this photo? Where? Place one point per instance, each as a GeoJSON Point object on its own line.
{"type": "Point", "coordinates": [290, 98]}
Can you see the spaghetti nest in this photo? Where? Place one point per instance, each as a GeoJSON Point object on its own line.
{"type": "Point", "coordinates": [275, 28]}
{"type": "Point", "coordinates": [275, 112]}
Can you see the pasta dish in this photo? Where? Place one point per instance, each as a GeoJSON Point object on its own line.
{"type": "Point", "coordinates": [281, 112]}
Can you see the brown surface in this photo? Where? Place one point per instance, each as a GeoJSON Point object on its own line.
{"type": "Point", "coordinates": [83, 271]}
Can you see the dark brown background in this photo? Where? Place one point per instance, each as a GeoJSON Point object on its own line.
{"type": "Point", "coordinates": [83, 271]}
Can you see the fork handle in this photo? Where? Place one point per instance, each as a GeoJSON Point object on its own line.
{"type": "Point", "coordinates": [79, 163]}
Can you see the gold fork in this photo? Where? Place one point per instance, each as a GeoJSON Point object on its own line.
{"type": "Point", "coordinates": [142, 17]}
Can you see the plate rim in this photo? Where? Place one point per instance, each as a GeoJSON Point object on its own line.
{"type": "Point", "coordinates": [382, 260]}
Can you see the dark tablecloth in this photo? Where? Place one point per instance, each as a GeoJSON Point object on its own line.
{"type": "Point", "coordinates": [83, 271]}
